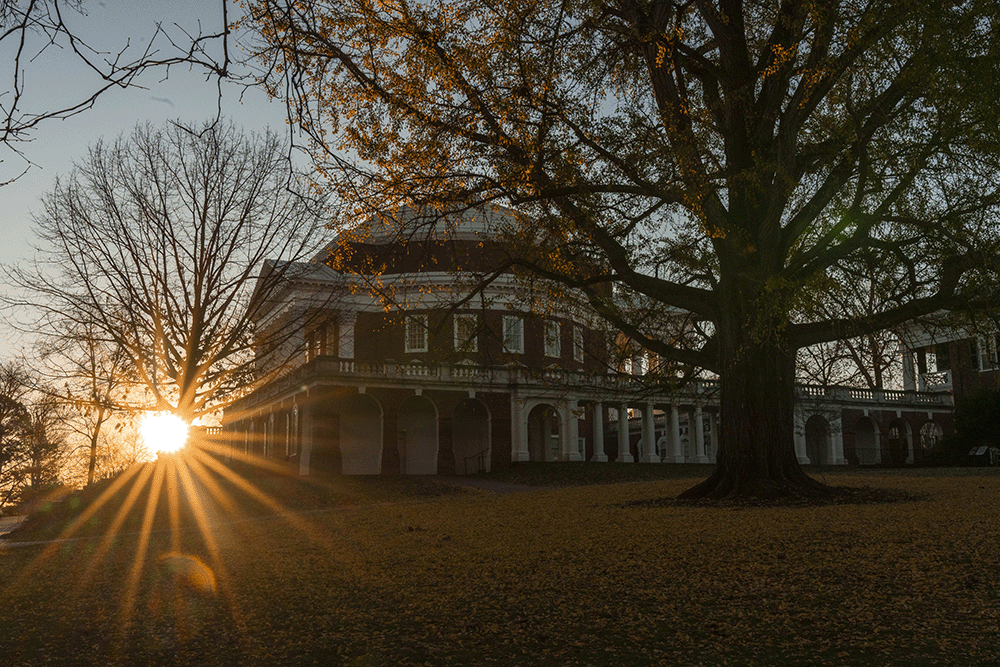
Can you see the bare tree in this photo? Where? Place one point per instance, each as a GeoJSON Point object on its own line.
{"type": "Point", "coordinates": [30, 27]}
{"type": "Point", "coordinates": [734, 160]}
{"type": "Point", "coordinates": [89, 376]}
{"type": "Point", "coordinates": [155, 248]}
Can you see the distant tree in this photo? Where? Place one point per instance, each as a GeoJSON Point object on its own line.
{"type": "Point", "coordinates": [15, 430]}
{"type": "Point", "coordinates": [147, 274]}
{"type": "Point", "coordinates": [45, 449]}
{"type": "Point", "coordinates": [870, 361]}
{"type": "Point", "coordinates": [95, 380]}
{"type": "Point", "coordinates": [737, 161]}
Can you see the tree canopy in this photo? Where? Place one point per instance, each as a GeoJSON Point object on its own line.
{"type": "Point", "coordinates": [742, 162]}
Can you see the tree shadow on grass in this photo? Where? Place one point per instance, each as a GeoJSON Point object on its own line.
{"type": "Point", "coordinates": [841, 495]}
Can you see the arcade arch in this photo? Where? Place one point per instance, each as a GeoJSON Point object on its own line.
{"type": "Point", "coordinates": [544, 433]}
{"type": "Point", "coordinates": [417, 436]}
{"type": "Point", "coordinates": [867, 447]}
{"type": "Point", "coordinates": [361, 435]}
{"type": "Point", "coordinates": [899, 448]}
{"type": "Point", "coordinates": [818, 440]}
{"type": "Point", "coordinates": [471, 437]}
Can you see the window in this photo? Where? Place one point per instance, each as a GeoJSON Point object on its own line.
{"type": "Point", "coordinates": [578, 344]}
{"type": "Point", "coordinates": [513, 334]}
{"type": "Point", "coordinates": [466, 333]}
{"type": "Point", "coordinates": [942, 357]}
{"type": "Point", "coordinates": [987, 348]}
{"type": "Point", "coordinates": [320, 340]}
{"type": "Point", "coordinates": [310, 346]}
{"type": "Point", "coordinates": [639, 364]}
{"type": "Point", "coordinates": [930, 435]}
{"type": "Point", "coordinates": [416, 333]}
{"type": "Point", "coordinates": [553, 347]}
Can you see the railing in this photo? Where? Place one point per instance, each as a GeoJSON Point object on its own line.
{"type": "Point", "coordinates": [936, 379]}
{"type": "Point", "coordinates": [861, 395]}
{"type": "Point", "coordinates": [609, 387]}
{"type": "Point", "coordinates": [480, 460]}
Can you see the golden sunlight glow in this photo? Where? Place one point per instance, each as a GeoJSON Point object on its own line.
{"type": "Point", "coordinates": [163, 432]}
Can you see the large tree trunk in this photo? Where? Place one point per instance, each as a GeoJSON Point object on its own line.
{"type": "Point", "coordinates": [756, 456]}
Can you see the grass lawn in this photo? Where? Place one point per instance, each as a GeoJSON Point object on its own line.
{"type": "Point", "coordinates": [207, 564]}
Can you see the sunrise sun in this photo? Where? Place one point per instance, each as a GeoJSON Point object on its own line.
{"type": "Point", "coordinates": [163, 432]}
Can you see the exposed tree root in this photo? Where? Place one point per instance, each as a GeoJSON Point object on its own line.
{"type": "Point", "coordinates": [790, 482]}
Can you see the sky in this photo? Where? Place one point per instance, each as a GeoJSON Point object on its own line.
{"type": "Point", "coordinates": [52, 78]}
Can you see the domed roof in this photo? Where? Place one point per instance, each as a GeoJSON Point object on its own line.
{"type": "Point", "coordinates": [410, 224]}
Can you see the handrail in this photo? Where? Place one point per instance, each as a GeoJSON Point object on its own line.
{"type": "Point", "coordinates": [481, 461]}
{"type": "Point", "coordinates": [607, 387]}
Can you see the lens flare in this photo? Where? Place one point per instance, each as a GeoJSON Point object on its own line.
{"type": "Point", "coordinates": [163, 432]}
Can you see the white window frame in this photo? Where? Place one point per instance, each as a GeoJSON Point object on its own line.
{"type": "Point", "coordinates": [553, 339]}
{"type": "Point", "coordinates": [466, 340]}
{"type": "Point", "coordinates": [986, 353]}
{"type": "Point", "coordinates": [640, 364]}
{"type": "Point", "coordinates": [415, 336]}
{"type": "Point", "coordinates": [578, 343]}
{"type": "Point", "coordinates": [513, 334]}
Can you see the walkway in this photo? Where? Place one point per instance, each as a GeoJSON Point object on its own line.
{"type": "Point", "coordinates": [9, 523]}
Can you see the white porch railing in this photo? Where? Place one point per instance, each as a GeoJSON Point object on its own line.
{"type": "Point", "coordinates": [609, 387]}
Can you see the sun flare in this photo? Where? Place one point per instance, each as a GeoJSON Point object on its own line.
{"type": "Point", "coordinates": [163, 432]}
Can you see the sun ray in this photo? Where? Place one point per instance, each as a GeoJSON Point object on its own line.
{"type": "Point", "coordinates": [112, 531]}
{"type": "Point", "coordinates": [307, 528]}
{"type": "Point", "coordinates": [173, 503]}
{"type": "Point", "coordinates": [244, 486]}
{"type": "Point", "coordinates": [67, 533]}
{"type": "Point", "coordinates": [225, 588]}
{"type": "Point", "coordinates": [129, 595]}
{"type": "Point", "coordinates": [255, 461]}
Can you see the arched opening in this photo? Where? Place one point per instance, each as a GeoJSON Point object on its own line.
{"type": "Point", "coordinates": [543, 433]}
{"type": "Point", "coordinates": [417, 436]}
{"type": "Point", "coordinates": [930, 436]}
{"type": "Point", "coordinates": [361, 435]}
{"type": "Point", "coordinates": [898, 445]}
{"type": "Point", "coordinates": [470, 439]}
{"type": "Point", "coordinates": [818, 440]}
{"type": "Point", "coordinates": [866, 442]}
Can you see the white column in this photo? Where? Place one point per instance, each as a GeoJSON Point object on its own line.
{"type": "Point", "coordinates": [649, 454]}
{"type": "Point", "coordinates": [675, 435]}
{"type": "Point", "coordinates": [518, 431]}
{"type": "Point", "coordinates": [624, 451]}
{"type": "Point", "coordinates": [570, 447]}
{"type": "Point", "coordinates": [597, 410]}
{"type": "Point", "coordinates": [307, 438]}
{"type": "Point", "coordinates": [714, 417]}
{"type": "Point", "coordinates": [799, 436]}
{"type": "Point", "coordinates": [909, 377]}
{"type": "Point", "coordinates": [837, 443]}
{"type": "Point", "coordinates": [699, 436]}
{"type": "Point", "coordinates": [878, 442]}
{"type": "Point", "coordinates": [345, 335]}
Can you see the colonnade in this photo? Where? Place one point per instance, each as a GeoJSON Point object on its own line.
{"type": "Point", "coordinates": [667, 448]}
